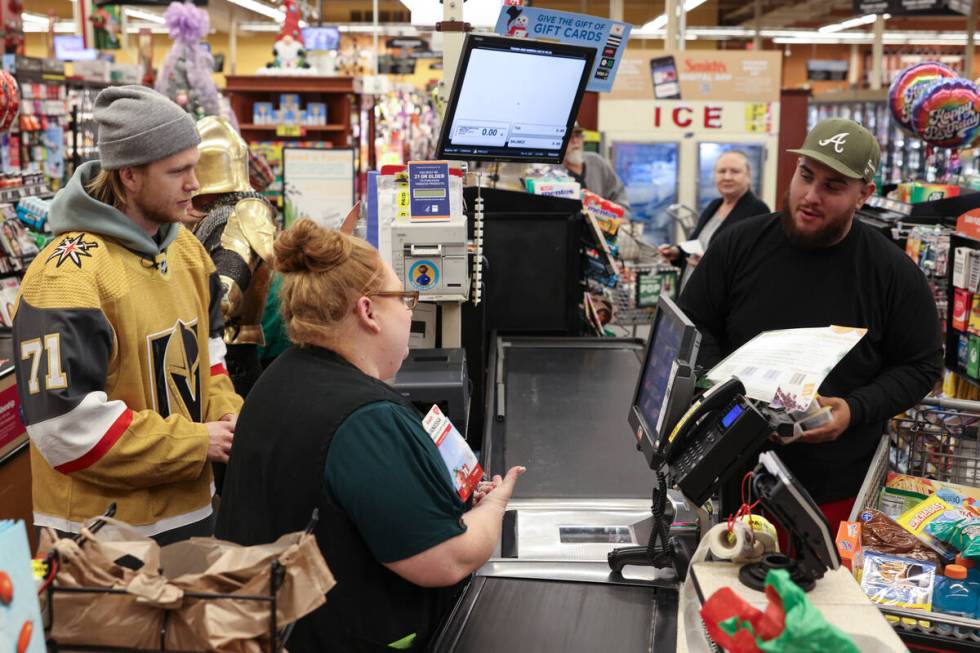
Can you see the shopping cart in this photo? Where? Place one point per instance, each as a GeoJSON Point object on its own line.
{"type": "Point", "coordinates": [938, 439]}
{"type": "Point", "coordinates": [644, 275]}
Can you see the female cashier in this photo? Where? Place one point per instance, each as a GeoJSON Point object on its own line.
{"type": "Point", "coordinates": [322, 430]}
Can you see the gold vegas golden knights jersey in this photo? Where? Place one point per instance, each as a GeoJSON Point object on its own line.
{"type": "Point", "coordinates": [119, 362]}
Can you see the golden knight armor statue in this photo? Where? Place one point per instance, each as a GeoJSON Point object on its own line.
{"type": "Point", "coordinates": [238, 229]}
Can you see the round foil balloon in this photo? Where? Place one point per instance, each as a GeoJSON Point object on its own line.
{"type": "Point", "coordinates": [947, 113]}
{"type": "Point", "coordinates": [909, 85]}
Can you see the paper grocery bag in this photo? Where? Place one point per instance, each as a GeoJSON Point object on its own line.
{"type": "Point", "coordinates": [239, 625]}
{"type": "Point", "coordinates": [101, 619]}
{"type": "Point", "coordinates": [156, 582]}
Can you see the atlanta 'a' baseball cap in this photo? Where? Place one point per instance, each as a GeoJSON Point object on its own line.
{"type": "Point", "coordinates": [845, 146]}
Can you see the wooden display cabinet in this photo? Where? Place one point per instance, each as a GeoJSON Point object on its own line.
{"type": "Point", "coordinates": [337, 93]}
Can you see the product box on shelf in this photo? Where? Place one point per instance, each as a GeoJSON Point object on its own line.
{"type": "Point", "coordinates": [289, 102]}
{"type": "Point", "coordinates": [973, 321]}
{"type": "Point", "coordinates": [973, 271]}
{"type": "Point", "coordinates": [262, 113]}
{"type": "Point", "coordinates": [963, 350]}
{"type": "Point", "coordinates": [973, 363]}
{"type": "Point", "coordinates": [961, 265]}
{"type": "Point", "coordinates": [962, 308]}
{"type": "Point", "coordinates": [317, 113]}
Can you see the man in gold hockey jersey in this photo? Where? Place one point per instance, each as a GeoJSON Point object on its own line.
{"type": "Point", "coordinates": [237, 230]}
{"type": "Point", "coordinates": [117, 335]}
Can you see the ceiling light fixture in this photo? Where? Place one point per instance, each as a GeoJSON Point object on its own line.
{"type": "Point", "coordinates": [660, 21]}
{"type": "Point", "coordinates": [853, 22]}
{"type": "Point", "coordinates": [144, 15]}
{"type": "Point", "coordinates": [34, 18]}
{"type": "Point", "coordinates": [260, 8]}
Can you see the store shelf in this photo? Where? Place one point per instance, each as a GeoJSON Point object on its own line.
{"type": "Point", "coordinates": [306, 128]}
{"type": "Point", "coordinates": [286, 84]}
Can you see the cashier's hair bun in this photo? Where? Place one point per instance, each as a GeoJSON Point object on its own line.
{"type": "Point", "coordinates": [308, 247]}
{"type": "Point", "coordinates": [324, 273]}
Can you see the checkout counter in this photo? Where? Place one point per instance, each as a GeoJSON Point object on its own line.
{"type": "Point", "coordinates": [560, 407]}
{"type": "Point", "coordinates": [557, 405]}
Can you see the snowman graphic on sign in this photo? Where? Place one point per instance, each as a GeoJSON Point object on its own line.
{"type": "Point", "coordinates": [517, 23]}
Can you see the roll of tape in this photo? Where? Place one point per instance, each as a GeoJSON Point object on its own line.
{"type": "Point", "coordinates": [725, 545]}
{"type": "Point", "coordinates": [763, 531]}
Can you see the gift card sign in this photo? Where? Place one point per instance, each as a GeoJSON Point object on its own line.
{"type": "Point", "coordinates": [608, 37]}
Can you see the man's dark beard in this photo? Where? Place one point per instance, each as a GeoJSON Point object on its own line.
{"type": "Point", "coordinates": [828, 236]}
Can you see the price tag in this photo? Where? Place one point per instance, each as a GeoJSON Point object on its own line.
{"type": "Point", "coordinates": [403, 202]}
{"type": "Point", "coordinates": [290, 130]}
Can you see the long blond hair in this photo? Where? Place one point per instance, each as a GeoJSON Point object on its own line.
{"type": "Point", "coordinates": [323, 272]}
{"type": "Point", "coordinates": [107, 187]}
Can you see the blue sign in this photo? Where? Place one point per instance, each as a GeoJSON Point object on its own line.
{"type": "Point", "coordinates": [372, 207]}
{"type": "Point", "coordinates": [608, 37]}
{"type": "Point", "coordinates": [428, 185]}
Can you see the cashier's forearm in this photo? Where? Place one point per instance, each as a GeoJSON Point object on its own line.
{"type": "Point", "coordinates": [453, 560]}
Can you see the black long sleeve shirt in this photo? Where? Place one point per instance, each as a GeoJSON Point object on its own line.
{"type": "Point", "coordinates": [752, 279]}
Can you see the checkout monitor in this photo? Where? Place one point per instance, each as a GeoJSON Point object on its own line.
{"type": "Point", "coordinates": [514, 100]}
{"type": "Point", "coordinates": [666, 386]}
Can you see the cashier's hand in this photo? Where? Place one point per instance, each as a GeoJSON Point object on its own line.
{"type": "Point", "coordinates": [485, 487]}
{"type": "Point", "coordinates": [840, 419]}
{"type": "Point", "coordinates": [670, 252]}
{"type": "Point", "coordinates": [501, 488]}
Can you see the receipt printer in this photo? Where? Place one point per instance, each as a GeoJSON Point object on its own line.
{"type": "Point", "coordinates": [436, 376]}
{"type": "Point", "coordinates": [432, 258]}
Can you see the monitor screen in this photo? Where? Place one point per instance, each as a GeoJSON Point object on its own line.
{"type": "Point", "coordinates": [796, 511]}
{"type": "Point", "coordinates": [321, 38]}
{"type": "Point", "coordinates": [666, 385]}
{"type": "Point", "coordinates": [514, 100]}
{"type": "Point", "coordinates": [69, 47]}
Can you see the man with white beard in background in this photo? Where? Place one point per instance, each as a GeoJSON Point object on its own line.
{"type": "Point", "coordinates": [593, 172]}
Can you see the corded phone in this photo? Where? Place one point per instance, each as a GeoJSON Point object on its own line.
{"type": "Point", "coordinates": [716, 436]}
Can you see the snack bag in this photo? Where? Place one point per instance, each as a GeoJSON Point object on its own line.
{"type": "Point", "coordinates": [881, 534]}
{"type": "Point", "coordinates": [899, 582]}
{"type": "Point", "coordinates": [918, 518]}
{"type": "Point", "coordinates": [960, 529]}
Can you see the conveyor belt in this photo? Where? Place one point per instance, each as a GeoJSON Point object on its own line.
{"type": "Point", "coordinates": [564, 417]}
{"type": "Point", "coordinates": [507, 615]}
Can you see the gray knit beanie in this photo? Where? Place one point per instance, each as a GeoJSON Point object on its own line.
{"type": "Point", "coordinates": [137, 125]}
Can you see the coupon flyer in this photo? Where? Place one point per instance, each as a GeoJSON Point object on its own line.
{"type": "Point", "coordinates": [464, 469]}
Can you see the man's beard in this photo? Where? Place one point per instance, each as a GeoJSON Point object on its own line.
{"type": "Point", "coordinates": [155, 213]}
{"type": "Point", "coordinates": [575, 156]}
{"type": "Point", "coordinates": [831, 233]}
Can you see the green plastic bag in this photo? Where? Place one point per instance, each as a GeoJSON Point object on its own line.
{"type": "Point", "coordinates": [804, 629]}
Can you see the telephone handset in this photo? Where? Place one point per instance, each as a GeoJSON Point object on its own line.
{"type": "Point", "coordinates": [713, 400]}
{"type": "Point", "coordinates": [714, 439]}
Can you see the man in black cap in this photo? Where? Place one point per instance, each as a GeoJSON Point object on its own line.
{"type": "Point", "coordinates": [117, 335]}
{"type": "Point", "coordinates": [811, 265]}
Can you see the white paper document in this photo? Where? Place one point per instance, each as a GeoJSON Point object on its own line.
{"type": "Point", "coordinates": [692, 247]}
{"type": "Point", "coordinates": [787, 365]}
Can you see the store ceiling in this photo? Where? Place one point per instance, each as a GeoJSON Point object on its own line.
{"type": "Point", "coordinates": [774, 13]}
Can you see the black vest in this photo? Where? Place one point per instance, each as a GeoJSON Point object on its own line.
{"type": "Point", "coordinates": [275, 480]}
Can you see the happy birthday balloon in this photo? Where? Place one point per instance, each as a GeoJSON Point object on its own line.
{"type": "Point", "coordinates": [909, 85]}
{"type": "Point", "coordinates": [947, 113]}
